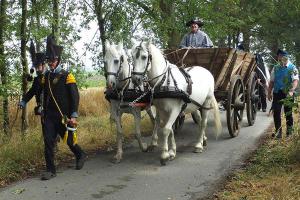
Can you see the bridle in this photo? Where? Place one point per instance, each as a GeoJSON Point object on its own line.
{"type": "Point", "coordinates": [116, 74]}
{"type": "Point", "coordinates": [139, 48]}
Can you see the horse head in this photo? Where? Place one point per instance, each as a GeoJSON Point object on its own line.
{"type": "Point", "coordinates": [141, 58]}
{"type": "Point", "coordinates": [115, 65]}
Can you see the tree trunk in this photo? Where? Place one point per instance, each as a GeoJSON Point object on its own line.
{"type": "Point", "coordinates": [229, 41]}
{"type": "Point", "coordinates": [3, 69]}
{"type": "Point", "coordinates": [246, 40]}
{"type": "Point", "coordinates": [167, 10]}
{"type": "Point", "coordinates": [36, 15]}
{"type": "Point", "coordinates": [24, 126]}
{"type": "Point", "coordinates": [98, 4]}
{"type": "Point", "coordinates": [56, 20]}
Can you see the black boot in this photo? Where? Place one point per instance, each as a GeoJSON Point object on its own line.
{"type": "Point", "coordinates": [80, 161]}
{"type": "Point", "coordinates": [47, 175]}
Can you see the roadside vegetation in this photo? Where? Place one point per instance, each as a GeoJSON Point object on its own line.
{"type": "Point", "coordinates": [273, 172]}
{"type": "Point", "coordinates": [22, 155]}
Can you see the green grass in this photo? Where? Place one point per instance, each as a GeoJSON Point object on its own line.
{"type": "Point", "coordinates": [273, 172]}
{"type": "Point", "coordinates": [95, 81]}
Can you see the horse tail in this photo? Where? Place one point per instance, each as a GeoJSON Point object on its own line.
{"type": "Point", "coordinates": [217, 119]}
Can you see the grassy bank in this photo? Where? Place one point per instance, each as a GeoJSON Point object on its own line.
{"type": "Point", "coordinates": [273, 172]}
{"type": "Point", "coordinates": [23, 154]}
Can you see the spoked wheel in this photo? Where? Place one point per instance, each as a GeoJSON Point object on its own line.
{"type": "Point", "coordinates": [252, 98]}
{"type": "Point", "coordinates": [235, 105]}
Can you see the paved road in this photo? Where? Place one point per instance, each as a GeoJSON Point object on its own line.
{"type": "Point", "coordinates": [140, 177]}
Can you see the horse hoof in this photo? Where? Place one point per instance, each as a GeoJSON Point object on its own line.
{"type": "Point", "coordinates": [144, 147]}
{"type": "Point", "coordinates": [116, 160]}
{"type": "Point", "coordinates": [163, 162]}
{"type": "Point", "coordinates": [198, 150]}
{"type": "Point", "coordinates": [205, 143]}
{"type": "Point", "coordinates": [172, 155]}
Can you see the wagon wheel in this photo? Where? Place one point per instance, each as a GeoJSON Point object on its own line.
{"type": "Point", "coordinates": [252, 98]}
{"type": "Point", "coordinates": [235, 105]}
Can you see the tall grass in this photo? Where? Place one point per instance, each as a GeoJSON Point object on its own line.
{"type": "Point", "coordinates": [23, 154]}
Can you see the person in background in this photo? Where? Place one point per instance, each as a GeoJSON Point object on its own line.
{"type": "Point", "coordinates": [283, 82]}
{"type": "Point", "coordinates": [262, 82]}
{"type": "Point", "coordinates": [196, 38]}
{"type": "Point", "coordinates": [38, 64]}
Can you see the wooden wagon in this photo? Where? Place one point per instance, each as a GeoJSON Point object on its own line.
{"type": "Point", "coordinates": [235, 80]}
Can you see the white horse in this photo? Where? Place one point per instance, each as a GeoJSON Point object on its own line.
{"type": "Point", "coordinates": [118, 73]}
{"type": "Point", "coordinates": [148, 60]}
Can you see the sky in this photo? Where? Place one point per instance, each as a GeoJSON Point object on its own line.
{"type": "Point", "coordinates": [86, 37]}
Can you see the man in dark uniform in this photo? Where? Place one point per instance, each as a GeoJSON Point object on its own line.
{"type": "Point", "coordinates": [283, 82]}
{"type": "Point", "coordinates": [61, 100]}
{"type": "Point", "coordinates": [38, 63]}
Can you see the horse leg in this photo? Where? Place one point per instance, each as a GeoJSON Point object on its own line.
{"type": "Point", "coordinates": [116, 116]}
{"type": "Point", "coordinates": [166, 131]}
{"type": "Point", "coordinates": [172, 151]}
{"type": "Point", "coordinates": [151, 115]}
{"type": "Point", "coordinates": [154, 139]}
{"type": "Point", "coordinates": [164, 157]}
{"type": "Point", "coordinates": [202, 127]}
{"type": "Point", "coordinates": [137, 119]}
{"type": "Point", "coordinates": [197, 118]}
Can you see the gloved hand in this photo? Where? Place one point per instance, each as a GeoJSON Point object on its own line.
{"type": "Point", "coordinates": [22, 104]}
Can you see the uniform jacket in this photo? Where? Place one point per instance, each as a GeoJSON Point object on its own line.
{"type": "Point", "coordinates": [64, 90]}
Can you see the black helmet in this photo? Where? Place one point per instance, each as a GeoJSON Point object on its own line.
{"type": "Point", "coordinates": [53, 51]}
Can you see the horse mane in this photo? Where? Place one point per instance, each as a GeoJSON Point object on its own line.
{"type": "Point", "coordinates": [156, 53]}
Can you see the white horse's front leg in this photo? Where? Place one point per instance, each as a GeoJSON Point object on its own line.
{"type": "Point", "coordinates": [150, 113]}
{"type": "Point", "coordinates": [172, 151]}
{"type": "Point", "coordinates": [118, 157]}
{"type": "Point", "coordinates": [154, 139]}
{"type": "Point", "coordinates": [202, 127]}
{"type": "Point", "coordinates": [164, 157]}
{"type": "Point", "coordinates": [137, 119]}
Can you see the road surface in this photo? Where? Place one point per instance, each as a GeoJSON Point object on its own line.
{"type": "Point", "coordinates": [141, 177]}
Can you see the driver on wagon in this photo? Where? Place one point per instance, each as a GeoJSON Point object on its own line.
{"type": "Point", "coordinates": [196, 38]}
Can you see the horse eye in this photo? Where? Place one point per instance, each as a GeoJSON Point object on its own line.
{"type": "Point", "coordinates": [116, 61]}
{"type": "Point", "coordinates": [144, 57]}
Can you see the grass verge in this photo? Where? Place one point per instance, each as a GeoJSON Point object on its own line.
{"type": "Point", "coordinates": [273, 172]}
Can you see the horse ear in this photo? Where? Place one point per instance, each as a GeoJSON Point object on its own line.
{"type": "Point", "coordinates": [107, 44]}
{"type": "Point", "coordinates": [149, 42]}
{"type": "Point", "coordinates": [120, 45]}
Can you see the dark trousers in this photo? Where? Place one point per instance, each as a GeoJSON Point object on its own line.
{"type": "Point", "coordinates": [277, 107]}
{"type": "Point", "coordinates": [262, 104]}
{"type": "Point", "coordinates": [52, 126]}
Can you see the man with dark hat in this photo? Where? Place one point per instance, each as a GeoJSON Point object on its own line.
{"type": "Point", "coordinates": [61, 100]}
{"type": "Point", "coordinates": [283, 82]}
{"type": "Point", "coordinates": [38, 63]}
{"type": "Point", "coordinates": [196, 38]}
